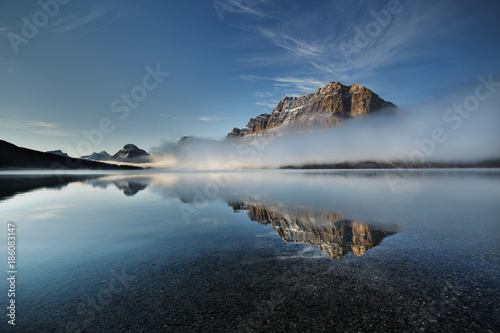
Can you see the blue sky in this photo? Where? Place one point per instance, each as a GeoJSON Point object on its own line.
{"type": "Point", "coordinates": [227, 61]}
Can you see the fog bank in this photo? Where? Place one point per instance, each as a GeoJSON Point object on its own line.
{"type": "Point", "coordinates": [460, 128]}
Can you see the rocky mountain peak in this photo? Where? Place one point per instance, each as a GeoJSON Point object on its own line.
{"type": "Point", "coordinates": [130, 151]}
{"type": "Point", "coordinates": [325, 108]}
{"type": "Point", "coordinates": [102, 156]}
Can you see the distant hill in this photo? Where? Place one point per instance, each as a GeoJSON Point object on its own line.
{"type": "Point", "coordinates": [58, 152]}
{"type": "Point", "coordinates": [129, 153]}
{"type": "Point", "coordinates": [102, 156]}
{"type": "Point", "coordinates": [492, 163]}
{"type": "Point", "coordinates": [14, 157]}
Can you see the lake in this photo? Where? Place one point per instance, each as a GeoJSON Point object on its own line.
{"type": "Point", "coordinates": [253, 251]}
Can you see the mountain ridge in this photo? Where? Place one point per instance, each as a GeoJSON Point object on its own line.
{"type": "Point", "coordinates": [13, 157]}
{"type": "Point", "coordinates": [327, 107]}
{"type": "Point", "coordinates": [95, 156]}
{"type": "Point", "coordinates": [129, 153]}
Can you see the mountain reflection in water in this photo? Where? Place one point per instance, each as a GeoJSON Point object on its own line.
{"type": "Point", "coordinates": [335, 236]}
{"type": "Point", "coordinates": [332, 233]}
{"type": "Point", "coordinates": [128, 187]}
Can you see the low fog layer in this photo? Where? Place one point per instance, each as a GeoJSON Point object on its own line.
{"type": "Point", "coordinates": [460, 128]}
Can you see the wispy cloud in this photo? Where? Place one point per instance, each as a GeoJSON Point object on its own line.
{"type": "Point", "coordinates": [262, 94]}
{"type": "Point", "coordinates": [171, 116]}
{"type": "Point", "coordinates": [240, 6]}
{"type": "Point", "coordinates": [43, 124]}
{"type": "Point", "coordinates": [209, 118]}
{"type": "Point", "coordinates": [294, 45]}
{"type": "Point", "coordinates": [42, 128]}
{"type": "Point", "coordinates": [50, 132]}
{"type": "Point", "coordinates": [73, 23]}
{"type": "Point", "coordinates": [200, 118]}
{"type": "Point", "coordinates": [355, 55]}
{"type": "Point", "coordinates": [330, 69]}
{"type": "Point", "coordinates": [2, 29]}
{"type": "Point", "coordinates": [97, 17]}
{"type": "Point", "coordinates": [301, 84]}
{"type": "Point", "coordinates": [307, 44]}
{"type": "Point", "coordinates": [61, 23]}
{"type": "Point", "coordinates": [270, 105]}
{"type": "Point", "coordinates": [11, 123]}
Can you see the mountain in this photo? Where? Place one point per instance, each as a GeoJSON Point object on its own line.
{"type": "Point", "coordinates": [58, 152]}
{"type": "Point", "coordinates": [325, 108]}
{"type": "Point", "coordinates": [102, 156]}
{"type": "Point", "coordinates": [131, 152]}
{"type": "Point", "coordinates": [188, 140]}
{"type": "Point", "coordinates": [14, 157]}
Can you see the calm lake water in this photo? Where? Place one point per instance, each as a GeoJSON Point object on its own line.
{"type": "Point", "coordinates": [255, 251]}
